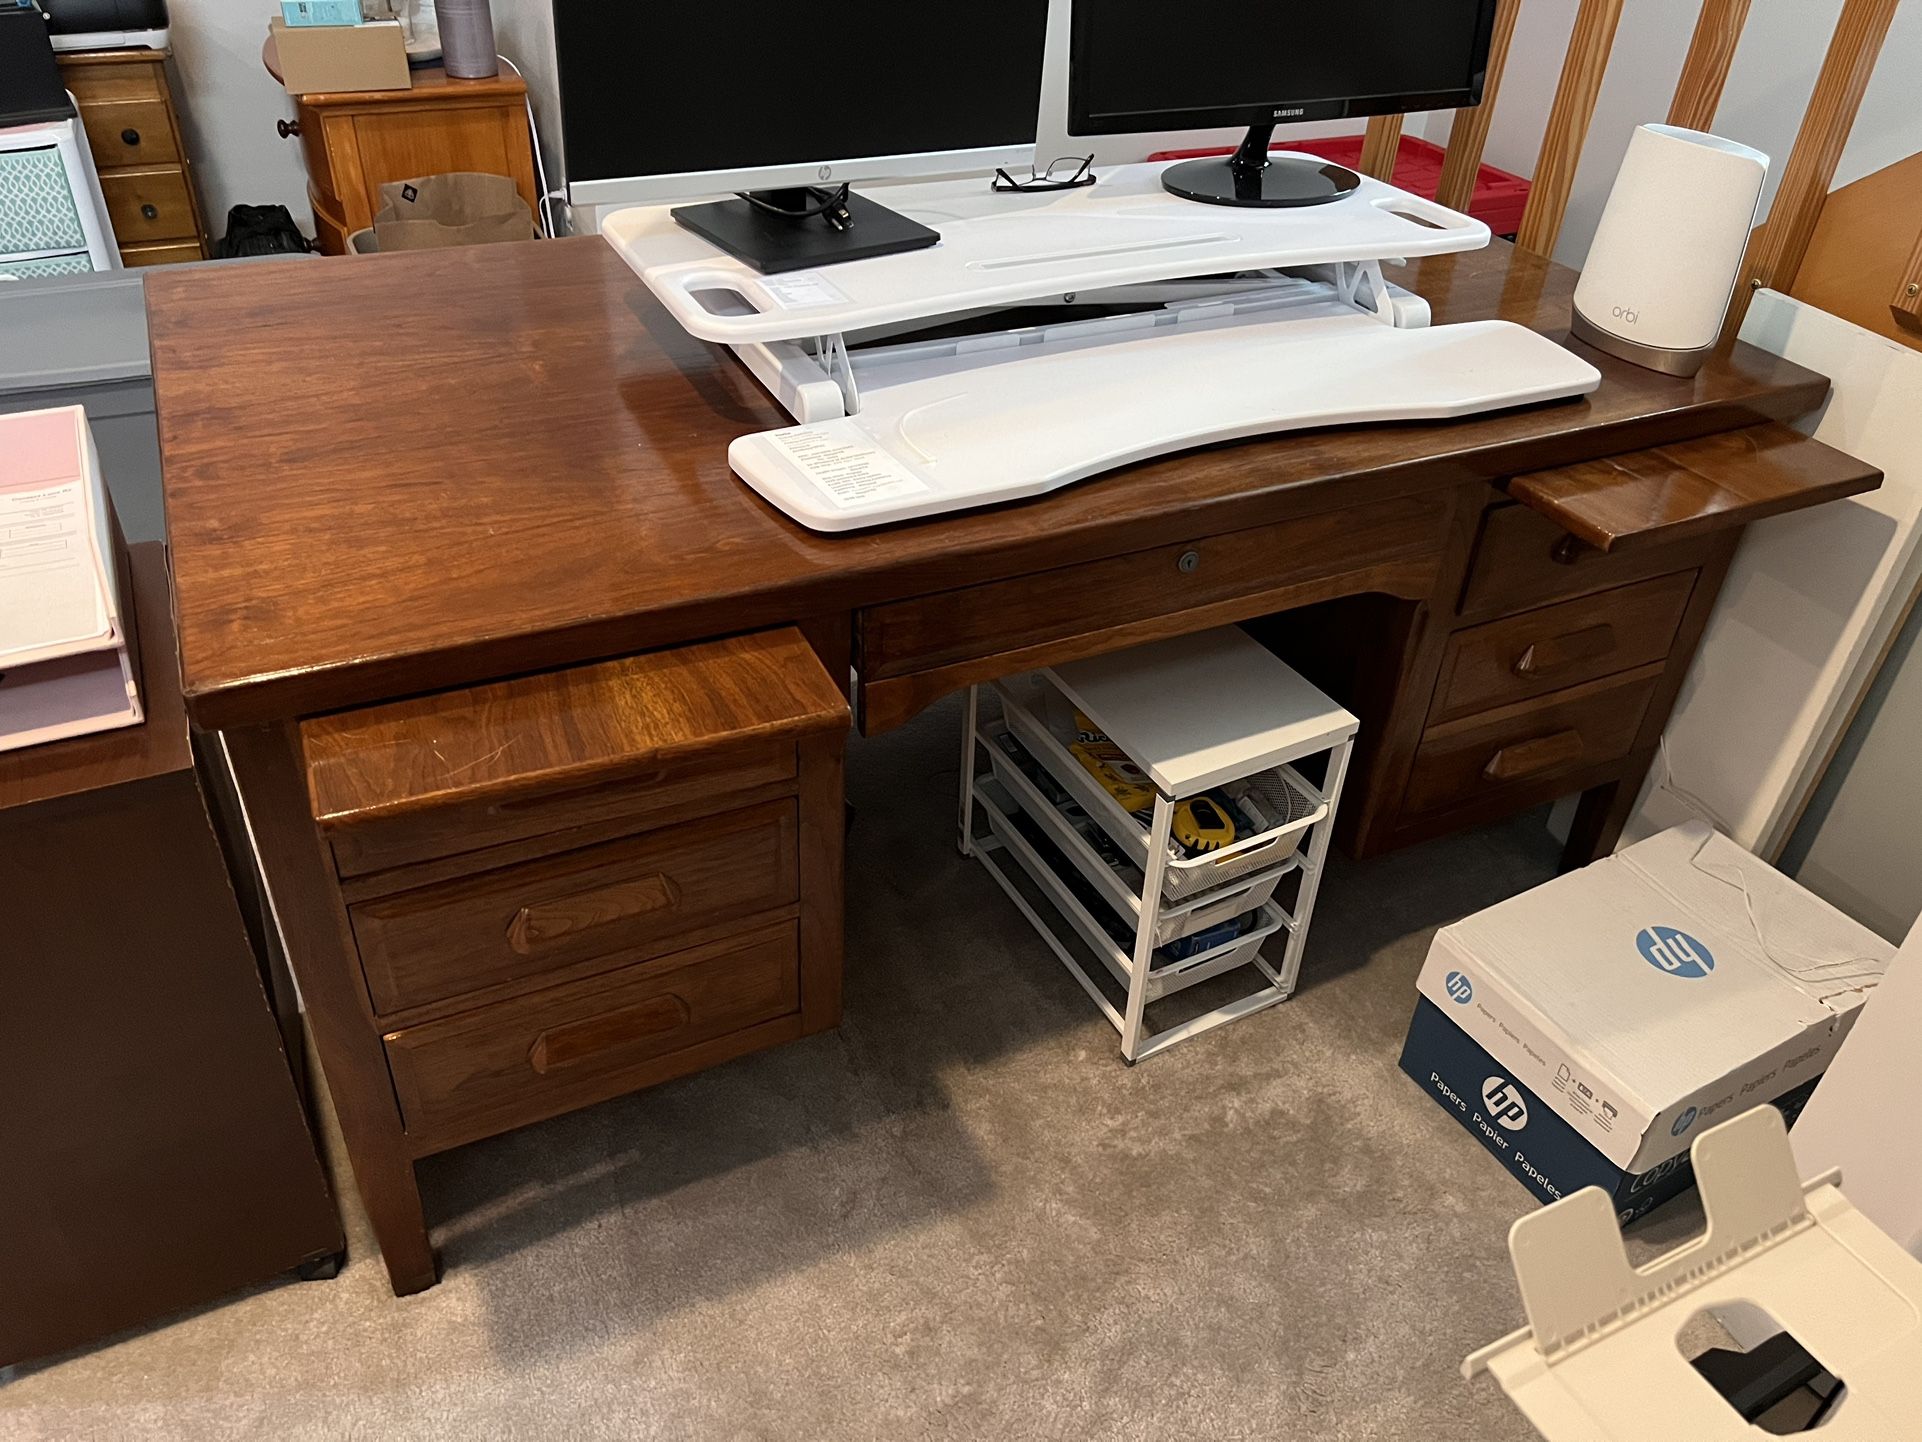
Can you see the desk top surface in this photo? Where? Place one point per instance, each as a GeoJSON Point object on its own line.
{"type": "Point", "coordinates": [386, 475]}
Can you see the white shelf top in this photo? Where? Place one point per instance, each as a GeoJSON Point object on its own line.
{"type": "Point", "coordinates": [1195, 711]}
{"type": "Point", "coordinates": [999, 249]}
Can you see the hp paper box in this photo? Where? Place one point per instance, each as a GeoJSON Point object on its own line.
{"type": "Point", "coordinates": [1588, 1029]}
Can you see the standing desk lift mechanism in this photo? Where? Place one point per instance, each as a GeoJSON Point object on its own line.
{"type": "Point", "coordinates": [1252, 322]}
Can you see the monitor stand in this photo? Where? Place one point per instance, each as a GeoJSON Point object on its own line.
{"type": "Point", "coordinates": [1253, 177]}
{"type": "Point", "coordinates": [819, 227]}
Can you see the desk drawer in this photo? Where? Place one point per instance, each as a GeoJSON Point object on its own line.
{"type": "Point", "coordinates": [130, 132]}
{"type": "Point", "coordinates": [470, 824]}
{"type": "Point", "coordinates": [1530, 745]}
{"type": "Point", "coordinates": [518, 1061]}
{"type": "Point", "coordinates": [913, 651]}
{"type": "Point", "coordinates": [1556, 647]}
{"type": "Point", "coordinates": [632, 897]}
{"type": "Point", "coordinates": [1523, 560]}
{"type": "Point", "coordinates": [149, 205]}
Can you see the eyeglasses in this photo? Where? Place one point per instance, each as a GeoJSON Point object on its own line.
{"type": "Point", "coordinates": [1070, 172]}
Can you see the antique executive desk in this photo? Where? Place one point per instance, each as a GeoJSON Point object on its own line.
{"type": "Point", "coordinates": [522, 687]}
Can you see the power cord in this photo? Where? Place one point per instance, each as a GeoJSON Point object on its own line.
{"type": "Point", "coordinates": [546, 211]}
{"type": "Point", "coordinates": [831, 203]}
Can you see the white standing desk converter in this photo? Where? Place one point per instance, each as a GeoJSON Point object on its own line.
{"type": "Point", "coordinates": [1246, 322]}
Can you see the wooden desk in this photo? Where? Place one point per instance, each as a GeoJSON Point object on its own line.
{"type": "Point", "coordinates": [530, 471]}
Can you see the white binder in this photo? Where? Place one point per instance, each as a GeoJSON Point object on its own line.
{"type": "Point", "coordinates": [66, 645]}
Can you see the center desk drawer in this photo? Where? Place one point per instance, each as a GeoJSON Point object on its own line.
{"type": "Point", "coordinates": [1239, 572]}
{"type": "Point", "coordinates": [533, 1056]}
{"type": "Point", "coordinates": [628, 899]}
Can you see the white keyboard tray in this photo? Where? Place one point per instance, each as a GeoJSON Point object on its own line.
{"type": "Point", "coordinates": [1008, 422]}
{"type": "Point", "coordinates": [1000, 249]}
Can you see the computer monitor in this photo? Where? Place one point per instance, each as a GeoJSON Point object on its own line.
{"type": "Point", "coordinates": [1161, 76]}
{"type": "Point", "coordinates": [671, 101]}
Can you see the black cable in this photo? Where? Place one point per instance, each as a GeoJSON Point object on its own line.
{"type": "Point", "coordinates": [828, 200]}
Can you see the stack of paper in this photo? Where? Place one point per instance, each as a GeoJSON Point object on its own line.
{"type": "Point", "coordinates": [66, 665]}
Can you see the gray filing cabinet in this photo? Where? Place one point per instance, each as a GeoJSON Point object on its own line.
{"type": "Point", "coordinates": [81, 340]}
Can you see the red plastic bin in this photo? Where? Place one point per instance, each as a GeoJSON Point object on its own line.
{"type": "Point", "coordinates": [1499, 197]}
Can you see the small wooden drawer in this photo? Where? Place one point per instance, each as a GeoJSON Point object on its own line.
{"type": "Point", "coordinates": [131, 132]}
{"type": "Point", "coordinates": [149, 204]}
{"type": "Point", "coordinates": [632, 898]}
{"type": "Point", "coordinates": [912, 651]}
{"type": "Point", "coordinates": [171, 252]}
{"type": "Point", "coordinates": [1529, 746]}
{"type": "Point", "coordinates": [1560, 646]}
{"type": "Point", "coordinates": [114, 75]}
{"type": "Point", "coordinates": [519, 1061]}
{"type": "Point", "coordinates": [696, 785]}
{"type": "Point", "coordinates": [1523, 560]}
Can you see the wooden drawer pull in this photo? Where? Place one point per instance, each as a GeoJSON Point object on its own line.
{"type": "Point", "coordinates": [1531, 758]}
{"type": "Point", "coordinates": [547, 922]}
{"type": "Point", "coordinates": [583, 1040]}
{"type": "Point", "coordinates": [1544, 657]}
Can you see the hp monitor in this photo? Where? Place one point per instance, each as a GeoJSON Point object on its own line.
{"type": "Point", "coordinates": [671, 101]}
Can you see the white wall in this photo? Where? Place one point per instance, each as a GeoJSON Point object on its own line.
{"type": "Point", "coordinates": [229, 104]}
{"type": "Point", "coordinates": [1860, 844]}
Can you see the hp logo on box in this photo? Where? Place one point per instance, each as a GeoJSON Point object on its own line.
{"type": "Point", "coordinates": [1684, 1122]}
{"type": "Point", "coordinates": [1460, 989]}
{"type": "Point", "coordinates": [1675, 952]}
{"type": "Point", "coordinates": [1504, 1102]}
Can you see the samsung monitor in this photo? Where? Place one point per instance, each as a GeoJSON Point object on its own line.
{"type": "Point", "coordinates": [1125, 76]}
{"type": "Point", "coordinates": [662, 102]}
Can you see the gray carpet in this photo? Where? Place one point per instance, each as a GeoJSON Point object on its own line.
{"type": "Point", "coordinates": [959, 1217]}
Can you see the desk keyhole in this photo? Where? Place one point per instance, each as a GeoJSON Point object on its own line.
{"type": "Point", "coordinates": [1189, 563]}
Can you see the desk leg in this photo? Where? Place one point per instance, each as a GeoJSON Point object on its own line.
{"type": "Point", "coordinates": [313, 925]}
{"type": "Point", "coordinates": [1599, 818]}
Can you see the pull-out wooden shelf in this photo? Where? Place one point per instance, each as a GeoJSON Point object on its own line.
{"type": "Point", "coordinates": [1650, 497]}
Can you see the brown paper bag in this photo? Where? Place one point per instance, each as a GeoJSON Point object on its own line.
{"type": "Point", "coordinates": [456, 209]}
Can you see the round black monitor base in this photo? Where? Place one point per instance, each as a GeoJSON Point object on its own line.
{"type": "Point", "coordinates": [1281, 180]}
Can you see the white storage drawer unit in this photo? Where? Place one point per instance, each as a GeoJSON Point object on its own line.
{"type": "Point", "coordinates": [1214, 716]}
{"type": "Point", "coordinates": [53, 218]}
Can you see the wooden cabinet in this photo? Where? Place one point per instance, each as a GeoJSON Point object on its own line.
{"type": "Point", "coordinates": [356, 141]}
{"type": "Point", "coordinates": [133, 128]}
{"type": "Point", "coordinates": [540, 893]}
{"type": "Point", "coordinates": [156, 1153]}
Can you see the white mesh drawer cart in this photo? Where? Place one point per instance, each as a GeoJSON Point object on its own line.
{"type": "Point", "coordinates": [1164, 810]}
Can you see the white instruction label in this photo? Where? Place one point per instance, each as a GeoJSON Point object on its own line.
{"type": "Point", "coordinates": [850, 472]}
{"type": "Point", "coordinates": [799, 289]}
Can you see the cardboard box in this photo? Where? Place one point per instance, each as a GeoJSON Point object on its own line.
{"type": "Point", "coordinates": [313, 59]}
{"type": "Point", "coordinates": [1586, 1030]}
{"type": "Point", "coordinates": [321, 12]}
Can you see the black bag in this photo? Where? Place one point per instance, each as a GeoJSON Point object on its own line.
{"type": "Point", "coordinates": [260, 230]}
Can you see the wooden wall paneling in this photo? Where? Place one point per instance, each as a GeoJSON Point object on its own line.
{"type": "Point", "coordinates": [1776, 251]}
{"type": "Point", "coordinates": [1718, 29]}
{"type": "Point", "coordinates": [1907, 305]}
{"type": "Point", "coordinates": [1568, 118]}
{"type": "Point", "coordinates": [1863, 251]}
{"type": "Point", "coordinates": [1380, 146]}
{"type": "Point", "coordinates": [1468, 134]}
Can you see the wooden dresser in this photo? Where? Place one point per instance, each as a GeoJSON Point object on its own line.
{"type": "Point", "coordinates": [356, 141]}
{"type": "Point", "coordinates": [127, 108]}
{"type": "Point", "coordinates": [545, 892]}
